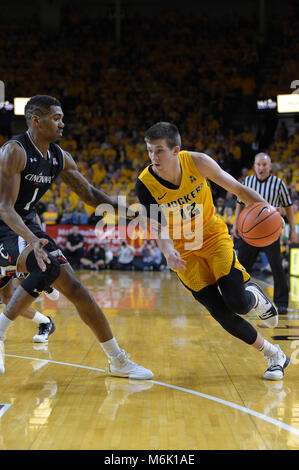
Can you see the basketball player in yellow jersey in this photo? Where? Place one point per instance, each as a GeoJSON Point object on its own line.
{"type": "Point", "coordinates": [176, 183]}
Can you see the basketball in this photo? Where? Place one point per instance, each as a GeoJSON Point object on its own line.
{"type": "Point", "coordinates": [259, 224]}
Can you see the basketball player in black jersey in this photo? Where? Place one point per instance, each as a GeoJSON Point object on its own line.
{"type": "Point", "coordinates": [46, 326]}
{"type": "Point", "coordinates": [9, 280]}
{"type": "Point", "coordinates": [29, 164]}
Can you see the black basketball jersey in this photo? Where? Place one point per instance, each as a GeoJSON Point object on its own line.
{"type": "Point", "coordinates": [37, 175]}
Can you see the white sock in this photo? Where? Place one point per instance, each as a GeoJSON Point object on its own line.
{"type": "Point", "coordinates": [40, 318]}
{"type": "Point", "coordinates": [111, 348]}
{"type": "Point", "coordinates": [268, 349]}
{"type": "Point", "coordinates": [5, 323]}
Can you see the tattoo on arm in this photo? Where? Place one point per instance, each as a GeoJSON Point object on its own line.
{"type": "Point", "coordinates": [88, 193]}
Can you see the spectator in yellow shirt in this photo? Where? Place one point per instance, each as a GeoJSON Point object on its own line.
{"type": "Point", "coordinates": [50, 216]}
{"type": "Point", "coordinates": [99, 172]}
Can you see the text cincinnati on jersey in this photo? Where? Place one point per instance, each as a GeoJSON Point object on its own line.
{"type": "Point", "coordinates": [39, 178]}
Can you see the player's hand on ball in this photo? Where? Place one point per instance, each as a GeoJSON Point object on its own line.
{"type": "Point", "coordinates": [40, 254]}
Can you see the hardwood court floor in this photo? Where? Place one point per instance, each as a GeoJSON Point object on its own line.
{"type": "Point", "coordinates": [207, 393]}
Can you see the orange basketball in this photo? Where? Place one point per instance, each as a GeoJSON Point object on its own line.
{"type": "Point", "coordinates": [259, 224]}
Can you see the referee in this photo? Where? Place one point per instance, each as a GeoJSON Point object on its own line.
{"type": "Point", "coordinates": [275, 192]}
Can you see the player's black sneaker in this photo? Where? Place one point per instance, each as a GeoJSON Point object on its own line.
{"type": "Point", "coordinates": [44, 330]}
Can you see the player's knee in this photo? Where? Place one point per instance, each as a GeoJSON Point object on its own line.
{"type": "Point", "coordinates": [73, 289]}
{"type": "Point", "coordinates": [79, 293]}
{"type": "Point", "coordinates": [5, 298]}
{"type": "Point", "coordinates": [38, 280]}
{"type": "Point", "coordinates": [6, 292]}
{"type": "Point", "coordinates": [237, 304]}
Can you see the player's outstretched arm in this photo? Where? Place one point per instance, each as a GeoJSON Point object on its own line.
{"type": "Point", "coordinates": [86, 191]}
{"type": "Point", "coordinates": [211, 170]}
{"type": "Point", "coordinates": [239, 208]}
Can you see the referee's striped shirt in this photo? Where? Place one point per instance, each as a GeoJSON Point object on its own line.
{"type": "Point", "coordinates": [272, 189]}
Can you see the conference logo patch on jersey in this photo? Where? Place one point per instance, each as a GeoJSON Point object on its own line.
{"type": "Point", "coordinates": [192, 178]}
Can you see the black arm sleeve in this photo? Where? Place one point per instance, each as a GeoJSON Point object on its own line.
{"type": "Point", "coordinates": [143, 194]}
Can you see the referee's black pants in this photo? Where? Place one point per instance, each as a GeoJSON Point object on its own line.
{"type": "Point", "coordinates": [247, 255]}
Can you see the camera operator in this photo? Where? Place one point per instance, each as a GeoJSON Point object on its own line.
{"type": "Point", "coordinates": [125, 256]}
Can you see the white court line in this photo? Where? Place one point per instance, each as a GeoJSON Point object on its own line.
{"type": "Point", "coordinates": [4, 408]}
{"type": "Point", "coordinates": [243, 409]}
{"type": "Point", "coordinates": [276, 422]}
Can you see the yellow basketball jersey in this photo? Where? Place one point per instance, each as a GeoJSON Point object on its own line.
{"type": "Point", "coordinates": [188, 209]}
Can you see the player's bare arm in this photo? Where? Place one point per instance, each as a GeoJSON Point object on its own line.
{"type": "Point", "coordinates": [88, 193]}
{"type": "Point", "coordinates": [12, 162]}
{"type": "Point", "coordinates": [239, 208]}
{"type": "Point", "coordinates": [211, 170]}
{"type": "Point", "coordinates": [172, 256]}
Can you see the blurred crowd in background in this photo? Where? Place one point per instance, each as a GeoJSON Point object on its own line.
{"type": "Point", "coordinates": [203, 75]}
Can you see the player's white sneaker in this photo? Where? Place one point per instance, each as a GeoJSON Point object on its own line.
{"type": "Point", "coordinates": [2, 353]}
{"type": "Point", "coordinates": [51, 293]}
{"type": "Point", "coordinates": [263, 307]}
{"type": "Point", "coordinates": [121, 366]}
{"type": "Point", "coordinates": [277, 363]}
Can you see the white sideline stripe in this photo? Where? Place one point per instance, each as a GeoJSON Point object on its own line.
{"type": "Point", "coordinates": [276, 422]}
{"type": "Point", "coordinates": [4, 409]}
{"type": "Point", "coordinates": [55, 362]}
{"type": "Point", "coordinates": [243, 409]}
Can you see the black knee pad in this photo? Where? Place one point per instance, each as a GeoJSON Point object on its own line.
{"type": "Point", "coordinates": [211, 298]}
{"type": "Point", "coordinates": [38, 280]}
{"type": "Point", "coordinates": [233, 292]}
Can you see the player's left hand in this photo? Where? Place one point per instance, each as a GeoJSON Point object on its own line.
{"type": "Point", "coordinates": [40, 254]}
{"type": "Point", "coordinates": [175, 262]}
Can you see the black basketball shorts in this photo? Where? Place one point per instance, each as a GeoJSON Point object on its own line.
{"type": "Point", "coordinates": [12, 245]}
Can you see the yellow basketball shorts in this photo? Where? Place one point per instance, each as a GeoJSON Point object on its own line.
{"type": "Point", "coordinates": [205, 266]}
